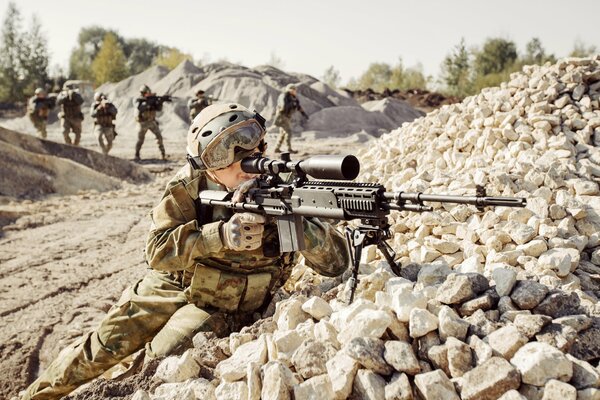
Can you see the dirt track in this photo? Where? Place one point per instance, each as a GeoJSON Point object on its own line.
{"type": "Point", "coordinates": [65, 260]}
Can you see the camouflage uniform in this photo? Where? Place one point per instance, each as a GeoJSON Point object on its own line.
{"type": "Point", "coordinates": [70, 115]}
{"type": "Point", "coordinates": [195, 285]}
{"type": "Point", "coordinates": [287, 105]}
{"type": "Point", "coordinates": [196, 105]}
{"type": "Point", "coordinates": [38, 109]}
{"type": "Point", "coordinates": [146, 118]}
{"type": "Point", "coordinates": [104, 114]}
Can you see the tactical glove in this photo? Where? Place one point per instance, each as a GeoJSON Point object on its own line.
{"type": "Point", "coordinates": [243, 231]}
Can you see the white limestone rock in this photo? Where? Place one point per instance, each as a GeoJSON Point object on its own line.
{"type": "Point", "coordinates": [315, 388]}
{"type": "Point", "coordinates": [341, 369]}
{"type": "Point", "coordinates": [310, 357]}
{"type": "Point", "coordinates": [401, 356]}
{"type": "Point", "coordinates": [317, 308]}
{"type": "Point", "coordinates": [367, 323]}
{"type": "Point", "coordinates": [368, 385]}
{"type": "Point", "coordinates": [435, 385]}
{"type": "Point", "coordinates": [555, 389]}
{"type": "Point", "coordinates": [539, 362]}
{"type": "Point", "coordinates": [178, 369]}
{"type": "Point", "coordinates": [421, 322]}
{"type": "Point", "coordinates": [289, 313]}
{"type": "Point", "coordinates": [506, 341]}
{"type": "Point", "coordinates": [234, 368]}
{"type": "Point", "coordinates": [232, 391]}
{"type": "Point", "coordinates": [277, 381]}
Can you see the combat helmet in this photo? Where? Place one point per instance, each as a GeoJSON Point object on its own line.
{"type": "Point", "coordinates": [145, 89]}
{"type": "Point", "coordinates": [99, 96]}
{"type": "Point", "coordinates": [39, 91]}
{"type": "Point", "coordinates": [222, 134]}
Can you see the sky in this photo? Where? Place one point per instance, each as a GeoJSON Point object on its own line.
{"type": "Point", "coordinates": [309, 36]}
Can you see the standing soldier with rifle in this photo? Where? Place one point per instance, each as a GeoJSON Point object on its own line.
{"type": "Point", "coordinates": [147, 105]}
{"type": "Point", "coordinates": [104, 113]}
{"type": "Point", "coordinates": [211, 269]}
{"type": "Point", "coordinates": [287, 105]}
{"type": "Point", "coordinates": [70, 116]}
{"type": "Point", "coordinates": [38, 108]}
{"type": "Point", "coordinates": [197, 104]}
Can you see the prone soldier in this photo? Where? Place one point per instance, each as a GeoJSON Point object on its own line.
{"type": "Point", "coordinates": [210, 267]}
{"type": "Point", "coordinates": [38, 109]}
{"type": "Point", "coordinates": [147, 105]}
{"type": "Point", "coordinates": [70, 115]}
{"type": "Point", "coordinates": [287, 105]}
{"type": "Point", "coordinates": [104, 113]}
{"type": "Point", "coordinates": [197, 104]}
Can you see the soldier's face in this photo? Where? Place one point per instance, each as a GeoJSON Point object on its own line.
{"type": "Point", "coordinates": [233, 176]}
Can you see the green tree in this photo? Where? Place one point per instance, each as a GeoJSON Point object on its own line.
{"type": "Point", "coordinates": [536, 54]}
{"type": "Point", "coordinates": [140, 54]}
{"type": "Point", "coordinates": [89, 42]}
{"type": "Point", "coordinates": [35, 57]}
{"type": "Point", "coordinates": [11, 49]}
{"type": "Point", "coordinates": [456, 71]}
{"type": "Point", "coordinates": [496, 56]}
{"type": "Point", "coordinates": [376, 77]}
{"type": "Point", "coordinates": [580, 49]}
{"type": "Point", "coordinates": [109, 63]}
{"type": "Point", "coordinates": [171, 57]}
{"type": "Point", "coordinates": [332, 77]}
{"type": "Point", "coordinates": [407, 78]}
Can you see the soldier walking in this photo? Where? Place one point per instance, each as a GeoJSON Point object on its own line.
{"type": "Point", "coordinates": [197, 104]}
{"type": "Point", "coordinates": [38, 109]}
{"type": "Point", "coordinates": [287, 104]}
{"type": "Point", "coordinates": [70, 115]}
{"type": "Point", "coordinates": [104, 113]}
{"type": "Point", "coordinates": [208, 264]}
{"type": "Point", "coordinates": [147, 105]}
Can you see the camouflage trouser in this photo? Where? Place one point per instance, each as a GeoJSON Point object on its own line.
{"type": "Point", "coordinates": [105, 133]}
{"type": "Point", "coordinates": [68, 125]}
{"type": "Point", "coordinates": [40, 125]}
{"type": "Point", "coordinates": [285, 133]}
{"type": "Point", "coordinates": [153, 313]}
{"type": "Point", "coordinates": [143, 127]}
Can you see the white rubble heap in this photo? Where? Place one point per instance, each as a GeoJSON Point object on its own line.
{"type": "Point", "coordinates": [501, 304]}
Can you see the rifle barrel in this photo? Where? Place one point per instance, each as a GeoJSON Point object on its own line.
{"type": "Point", "coordinates": [399, 198]}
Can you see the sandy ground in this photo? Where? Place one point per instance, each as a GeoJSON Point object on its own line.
{"type": "Point", "coordinates": [64, 260]}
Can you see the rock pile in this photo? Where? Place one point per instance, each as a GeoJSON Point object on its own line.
{"type": "Point", "coordinates": [495, 305]}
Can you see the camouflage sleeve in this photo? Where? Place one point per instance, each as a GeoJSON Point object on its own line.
{"type": "Point", "coordinates": [175, 239]}
{"type": "Point", "coordinates": [93, 110]}
{"type": "Point", "coordinates": [326, 249]}
{"type": "Point", "coordinates": [112, 109]}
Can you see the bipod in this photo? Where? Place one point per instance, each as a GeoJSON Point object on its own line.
{"type": "Point", "coordinates": [360, 237]}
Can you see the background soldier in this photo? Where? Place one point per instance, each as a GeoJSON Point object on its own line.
{"type": "Point", "coordinates": [197, 104]}
{"type": "Point", "coordinates": [287, 104]}
{"type": "Point", "coordinates": [147, 106]}
{"type": "Point", "coordinates": [38, 108]}
{"type": "Point", "coordinates": [210, 267]}
{"type": "Point", "coordinates": [71, 116]}
{"type": "Point", "coordinates": [104, 113]}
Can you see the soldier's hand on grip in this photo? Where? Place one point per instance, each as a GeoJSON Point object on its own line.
{"type": "Point", "coordinates": [243, 231]}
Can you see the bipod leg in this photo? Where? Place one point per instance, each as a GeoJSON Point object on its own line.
{"type": "Point", "coordinates": [355, 238]}
{"type": "Point", "coordinates": [389, 255]}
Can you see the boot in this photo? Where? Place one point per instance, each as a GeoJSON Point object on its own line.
{"type": "Point", "coordinates": [137, 156]}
